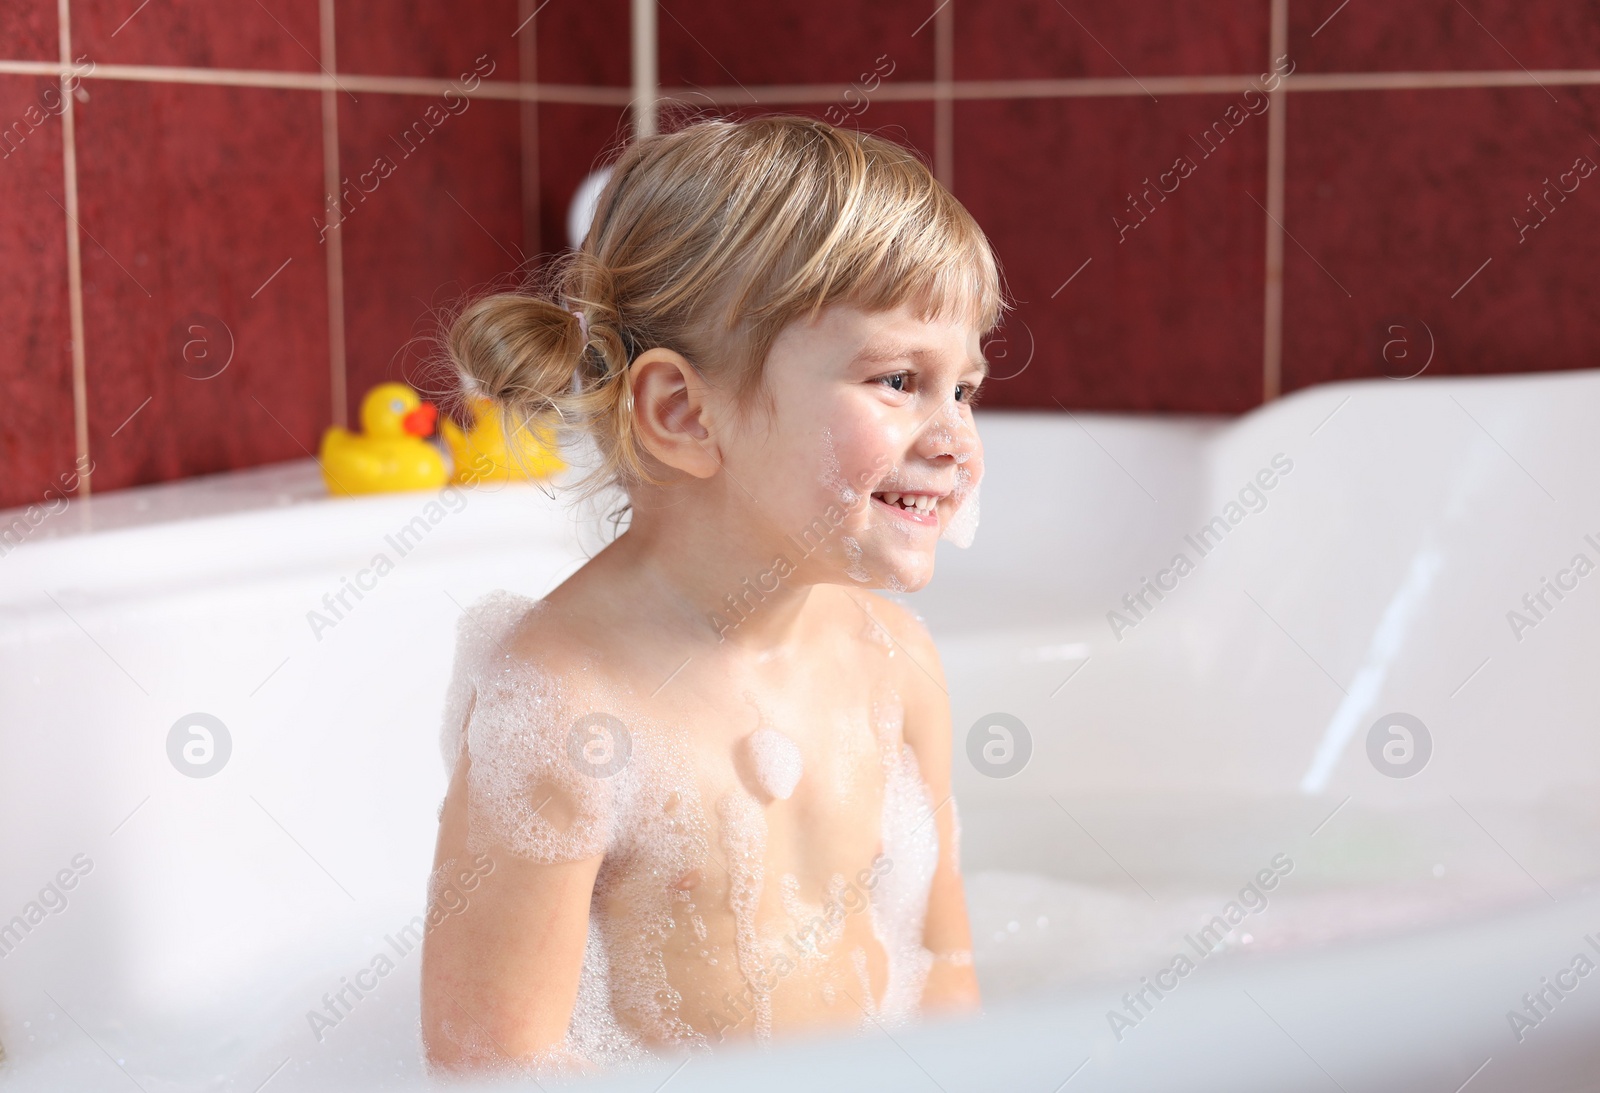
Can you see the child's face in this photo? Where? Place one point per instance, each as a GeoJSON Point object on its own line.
{"type": "Point", "coordinates": [867, 403]}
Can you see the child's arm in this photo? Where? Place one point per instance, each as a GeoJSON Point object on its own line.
{"type": "Point", "coordinates": [952, 983]}
{"type": "Point", "coordinates": [501, 962]}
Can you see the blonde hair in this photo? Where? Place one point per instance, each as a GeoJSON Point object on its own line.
{"type": "Point", "coordinates": [709, 240]}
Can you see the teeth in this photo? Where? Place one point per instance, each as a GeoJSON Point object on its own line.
{"type": "Point", "coordinates": [922, 503]}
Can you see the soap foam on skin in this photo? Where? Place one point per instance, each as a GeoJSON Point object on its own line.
{"type": "Point", "coordinates": [744, 839]}
{"type": "Point", "coordinates": [855, 570]}
{"type": "Point", "coordinates": [777, 762]}
{"type": "Point", "coordinates": [527, 796]}
{"type": "Point", "coordinates": [818, 942]}
{"type": "Point", "coordinates": [962, 527]}
{"type": "Point", "coordinates": [899, 900]}
{"type": "Point", "coordinates": [832, 477]}
{"type": "Point", "coordinates": [868, 1004]}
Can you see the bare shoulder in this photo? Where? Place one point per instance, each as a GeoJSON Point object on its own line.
{"type": "Point", "coordinates": [557, 640]}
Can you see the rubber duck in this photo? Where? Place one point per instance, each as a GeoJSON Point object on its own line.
{"type": "Point", "coordinates": [389, 453]}
{"type": "Point", "coordinates": [481, 455]}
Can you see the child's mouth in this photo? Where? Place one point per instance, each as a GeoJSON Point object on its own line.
{"type": "Point", "coordinates": [916, 508]}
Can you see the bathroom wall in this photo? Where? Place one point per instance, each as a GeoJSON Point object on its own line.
{"type": "Point", "coordinates": [1182, 228]}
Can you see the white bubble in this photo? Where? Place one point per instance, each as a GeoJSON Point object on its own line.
{"type": "Point", "coordinates": [777, 762]}
{"type": "Point", "coordinates": [962, 526]}
{"type": "Point", "coordinates": [832, 477]}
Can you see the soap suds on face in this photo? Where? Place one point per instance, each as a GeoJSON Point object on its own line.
{"type": "Point", "coordinates": [962, 528]}
{"type": "Point", "coordinates": [832, 477]}
{"type": "Point", "coordinates": [854, 570]}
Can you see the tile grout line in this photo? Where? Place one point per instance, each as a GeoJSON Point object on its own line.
{"type": "Point", "coordinates": [333, 216]}
{"type": "Point", "coordinates": [69, 171]}
{"type": "Point", "coordinates": [1272, 323]}
{"type": "Point", "coordinates": [911, 91]}
{"type": "Point", "coordinates": [646, 78]}
{"type": "Point", "coordinates": [944, 63]}
{"type": "Point", "coordinates": [528, 56]}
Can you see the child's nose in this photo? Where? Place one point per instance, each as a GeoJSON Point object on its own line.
{"type": "Point", "coordinates": [949, 432]}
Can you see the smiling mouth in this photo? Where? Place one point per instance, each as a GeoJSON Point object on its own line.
{"type": "Point", "coordinates": [919, 508]}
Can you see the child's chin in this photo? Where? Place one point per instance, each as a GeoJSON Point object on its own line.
{"type": "Point", "coordinates": [891, 578]}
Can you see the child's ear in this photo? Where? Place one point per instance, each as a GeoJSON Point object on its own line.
{"type": "Point", "coordinates": [671, 412]}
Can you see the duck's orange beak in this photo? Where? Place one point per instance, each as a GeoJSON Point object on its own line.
{"type": "Point", "coordinates": [419, 422]}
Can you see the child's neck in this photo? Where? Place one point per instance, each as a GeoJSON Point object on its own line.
{"type": "Point", "coordinates": [715, 589]}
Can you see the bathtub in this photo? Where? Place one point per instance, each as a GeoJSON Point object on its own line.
{"type": "Point", "coordinates": [1331, 758]}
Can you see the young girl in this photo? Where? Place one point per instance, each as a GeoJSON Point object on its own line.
{"type": "Point", "coordinates": [702, 788]}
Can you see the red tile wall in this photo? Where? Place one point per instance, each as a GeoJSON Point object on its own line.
{"type": "Point", "coordinates": [1408, 211]}
{"type": "Point", "coordinates": [281, 35]}
{"type": "Point", "coordinates": [1166, 315]}
{"type": "Point", "coordinates": [191, 198]}
{"type": "Point", "coordinates": [1398, 226]}
{"type": "Point", "coordinates": [37, 443]}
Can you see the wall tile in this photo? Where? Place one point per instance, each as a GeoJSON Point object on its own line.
{"type": "Point", "coordinates": [28, 31]}
{"type": "Point", "coordinates": [1401, 195]}
{"type": "Point", "coordinates": [427, 38]}
{"type": "Point", "coordinates": [908, 123]}
{"type": "Point", "coordinates": [193, 198]}
{"type": "Point", "coordinates": [37, 444]}
{"type": "Point", "coordinates": [1440, 35]}
{"type": "Point", "coordinates": [1167, 314]}
{"type": "Point", "coordinates": [445, 222]}
{"type": "Point", "coordinates": [573, 141]}
{"type": "Point", "coordinates": [1110, 38]}
{"type": "Point", "coordinates": [709, 43]}
{"type": "Point", "coordinates": [281, 35]}
{"type": "Point", "coordinates": [586, 42]}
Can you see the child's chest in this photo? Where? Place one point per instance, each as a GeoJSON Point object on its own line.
{"type": "Point", "coordinates": [754, 858]}
{"type": "Point", "coordinates": [794, 775]}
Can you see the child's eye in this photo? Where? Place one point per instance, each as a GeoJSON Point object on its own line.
{"type": "Point", "coordinates": [897, 380]}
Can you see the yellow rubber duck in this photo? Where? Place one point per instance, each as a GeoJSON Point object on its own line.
{"type": "Point", "coordinates": [389, 453]}
{"type": "Point", "coordinates": [481, 454]}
